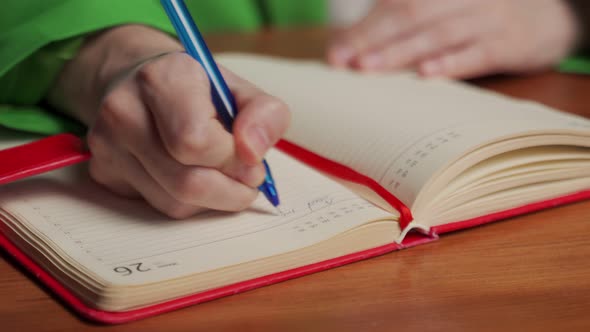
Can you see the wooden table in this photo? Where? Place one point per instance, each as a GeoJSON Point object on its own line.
{"type": "Point", "coordinates": [526, 274]}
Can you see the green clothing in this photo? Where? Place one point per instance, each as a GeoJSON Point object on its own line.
{"type": "Point", "coordinates": [38, 36]}
{"type": "Point", "coordinates": [576, 65]}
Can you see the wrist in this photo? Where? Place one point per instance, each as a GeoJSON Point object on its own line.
{"type": "Point", "coordinates": [104, 59]}
{"type": "Point", "coordinates": [127, 47]}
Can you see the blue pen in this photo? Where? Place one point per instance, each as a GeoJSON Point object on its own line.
{"type": "Point", "coordinates": [223, 100]}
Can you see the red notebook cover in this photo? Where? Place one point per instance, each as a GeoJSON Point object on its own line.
{"type": "Point", "coordinates": [63, 150]}
{"type": "Point", "coordinates": [41, 156]}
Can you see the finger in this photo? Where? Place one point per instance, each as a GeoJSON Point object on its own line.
{"type": "Point", "coordinates": [105, 168]}
{"type": "Point", "coordinates": [98, 172]}
{"type": "Point", "coordinates": [387, 21]}
{"type": "Point", "coordinates": [251, 174]}
{"type": "Point", "coordinates": [372, 29]}
{"type": "Point", "coordinates": [468, 62]}
{"type": "Point", "coordinates": [261, 121]}
{"type": "Point", "coordinates": [133, 129]}
{"type": "Point", "coordinates": [258, 127]}
{"type": "Point", "coordinates": [195, 185]}
{"type": "Point", "coordinates": [176, 90]}
{"type": "Point", "coordinates": [260, 124]}
{"type": "Point", "coordinates": [158, 198]}
{"type": "Point", "coordinates": [200, 186]}
{"type": "Point", "coordinates": [116, 170]}
{"type": "Point", "coordinates": [436, 39]}
{"type": "Point", "coordinates": [175, 189]}
{"type": "Point", "coordinates": [135, 177]}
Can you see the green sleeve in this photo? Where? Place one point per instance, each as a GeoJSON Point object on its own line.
{"type": "Point", "coordinates": [42, 35]}
{"type": "Point", "coordinates": [580, 63]}
{"type": "Point", "coordinates": [576, 65]}
{"type": "Point", "coordinates": [41, 24]}
{"type": "Point", "coordinates": [299, 12]}
{"type": "Point", "coordinates": [25, 84]}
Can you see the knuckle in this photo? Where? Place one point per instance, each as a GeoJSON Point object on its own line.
{"type": "Point", "coordinates": [191, 186]}
{"type": "Point", "coordinates": [184, 64]}
{"type": "Point", "coordinates": [167, 69]}
{"type": "Point", "coordinates": [113, 110]}
{"type": "Point", "coordinates": [189, 143]}
{"type": "Point", "coordinates": [110, 105]}
{"type": "Point", "coordinates": [150, 74]}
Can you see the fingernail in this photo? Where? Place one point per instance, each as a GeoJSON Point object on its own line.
{"type": "Point", "coordinates": [342, 55]}
{"type": "Point", "coordinates": [258, 141]}
{"type": "Point", "coordinates": [371, 61]}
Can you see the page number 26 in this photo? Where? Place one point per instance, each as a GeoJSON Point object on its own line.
{"type": "Point", "coordinates": [129, 269]}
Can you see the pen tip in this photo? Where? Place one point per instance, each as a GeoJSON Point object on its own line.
{"type": "Point", "coordinates": [274, 200]}
{"type": "Point", "coordinates": [268, 187]}
{"type": "Point", "coordinates": [270, 193]}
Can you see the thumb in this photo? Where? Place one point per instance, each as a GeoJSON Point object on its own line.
{"type": "Point", "coordinates": [260, 123]}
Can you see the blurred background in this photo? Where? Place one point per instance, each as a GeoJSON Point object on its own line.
{"type": "Point", "coordinates": [345, 12]}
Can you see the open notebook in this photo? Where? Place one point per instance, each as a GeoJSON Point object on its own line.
{"type": "Point", "coordinates": [371, 164]}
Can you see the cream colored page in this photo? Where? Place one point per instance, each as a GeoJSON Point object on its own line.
{"type": "Point", "coordinates": [397, 129]}
{"type": "Point", "coordinates": [126, 242]}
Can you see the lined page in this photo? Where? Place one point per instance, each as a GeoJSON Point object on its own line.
{"type": "Point", "coordinates": [397, 129]}
{"type": "Point", "coordinates": [125, 242]}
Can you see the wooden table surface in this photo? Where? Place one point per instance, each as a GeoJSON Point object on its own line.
{"type": "Point", "coordinates": [530, 273]}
